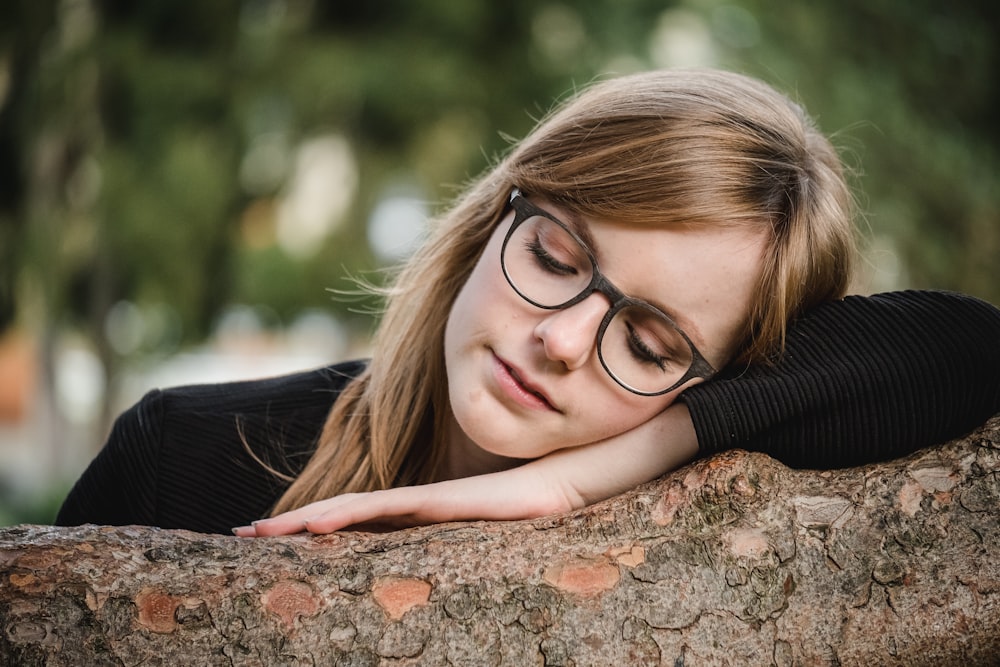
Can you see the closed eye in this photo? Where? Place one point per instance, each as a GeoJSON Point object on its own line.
{"type": "Point", "coordinates": [642, 351]}
{"type": "Point", "coordinates": [547, 262]}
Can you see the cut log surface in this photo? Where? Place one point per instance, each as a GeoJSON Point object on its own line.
{"type": "Point", "coordinates": [734, 560]}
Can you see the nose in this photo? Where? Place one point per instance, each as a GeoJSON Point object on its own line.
{"type": "Point", "coordinates": [570, 335]}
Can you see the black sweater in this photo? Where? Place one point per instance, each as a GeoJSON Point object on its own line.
{"type": "Point", "coordinates": [861, 380]}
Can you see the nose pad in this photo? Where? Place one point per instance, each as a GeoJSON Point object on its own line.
{"type": "Point", "coordinates": [569, 335]}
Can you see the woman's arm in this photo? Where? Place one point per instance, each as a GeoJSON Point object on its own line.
{"type": "Point", "coordinates": [562, 481]}
{"type": "Point", "coordinates": [861, 380]}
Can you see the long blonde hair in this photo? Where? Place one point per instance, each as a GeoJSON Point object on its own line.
{"type": "Point", "coordinates": [671, 147]}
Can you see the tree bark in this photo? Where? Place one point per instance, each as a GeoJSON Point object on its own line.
{"type": "Point", "coordinates": [735, 560]}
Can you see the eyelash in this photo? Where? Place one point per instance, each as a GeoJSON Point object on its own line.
{"type": "Point", "coordinates": [642, 352]}
{"type": "Point", "coordinates": [547, 261]}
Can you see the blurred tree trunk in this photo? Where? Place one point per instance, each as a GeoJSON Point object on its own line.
{"type": "Point", "coordinates": [732, 560]}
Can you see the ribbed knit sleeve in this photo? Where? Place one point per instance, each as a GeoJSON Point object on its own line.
{"type": "Point", "coordinates": [120, 485]}
{"type": "Point", "coordinates": [863, 379]}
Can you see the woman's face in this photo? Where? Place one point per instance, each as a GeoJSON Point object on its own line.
{"type": "Point", "coordinates": [524, 381]}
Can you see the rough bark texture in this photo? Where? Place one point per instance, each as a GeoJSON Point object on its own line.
{"type": "Point", "coordinates": [735, 560]}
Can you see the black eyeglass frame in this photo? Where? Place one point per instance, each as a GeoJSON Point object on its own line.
{"type": "Point", "coordinates": [523, 210]}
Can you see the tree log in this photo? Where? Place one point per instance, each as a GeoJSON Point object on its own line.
{"type": "Point", "coordinates": [734, 560]}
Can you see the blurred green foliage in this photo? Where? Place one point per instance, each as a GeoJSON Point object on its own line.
{"type": "Point", "coordinates": [146, 147]}
{"type": "Point", "coordinates": [148, 150]}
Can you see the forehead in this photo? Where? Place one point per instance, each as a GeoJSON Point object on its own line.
{"type": "Point", "coordinates": [703, 277]}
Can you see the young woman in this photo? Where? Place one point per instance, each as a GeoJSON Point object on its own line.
{"type": "Point", "coordinates": [656, 272]}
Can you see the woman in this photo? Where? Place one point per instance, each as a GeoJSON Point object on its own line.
{"type": "Point", "coordinates": [653, 230]}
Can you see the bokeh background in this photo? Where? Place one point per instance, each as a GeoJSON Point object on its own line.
{"type": "Point", "coordinates": [185, 186]}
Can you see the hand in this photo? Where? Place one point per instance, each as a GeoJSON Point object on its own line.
{"type": "Point", "coordinates": [564, 480]}
{"type": "Point", "coordinates": [518, 493]}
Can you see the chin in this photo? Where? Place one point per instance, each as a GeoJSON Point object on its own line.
{"type": "Point", "coordinates": [484, 434]}
{"type": "Point", "coordinates": [504, 450]}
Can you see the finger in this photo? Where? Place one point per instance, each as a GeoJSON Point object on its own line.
{"type": "Point", "coordinates": [396, 507]}
{"type": "Point", "coordinates": [347, 514]}
{"type": "Point", "coordinates": [275, 527]}
{"type": "Point", "coordinates": [292, 522]}
{"type": "Point", "coordinates": [288, 523]}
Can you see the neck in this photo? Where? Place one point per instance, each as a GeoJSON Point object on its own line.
{"type": "Point", "coordinates": [464, 458]}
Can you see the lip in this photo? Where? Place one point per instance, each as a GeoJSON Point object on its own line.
{"type": "Point", "coordinates": [516, 386]}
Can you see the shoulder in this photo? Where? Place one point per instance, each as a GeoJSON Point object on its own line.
{"type": "Point", "coordinates": [181, 457]}
{"type": "Point", "coordinates": [222, 443]}
{"type": "Point", "coordinates": [927, 303]}
{"type": "Point", "coordinates": [288, 410]}
{"type": "Point", "coordinates": [890, 320]}
{"type": "Point", "coordinates": [320, 385]}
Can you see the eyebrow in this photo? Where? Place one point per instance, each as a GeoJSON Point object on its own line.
{"type": "Point", "coordinates": [683, 324]}
{"type": "Point", "coordinates": [576, 223]}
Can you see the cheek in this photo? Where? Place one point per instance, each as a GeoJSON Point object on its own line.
{"type": "Point", "coordinates": [606, 413]}
{"type": "Point", "coordinates": [645, 408]}
{"type": "Point", "coordinates": [486, 301]}
{"type": "Point", "coordinates": [468, 309]}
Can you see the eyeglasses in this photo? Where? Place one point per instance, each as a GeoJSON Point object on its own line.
{"type": "Point", "coordinates": [638, 344]}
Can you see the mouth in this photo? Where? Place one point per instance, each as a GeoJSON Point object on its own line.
{"type": "Point", "coordinates": [526, 386]}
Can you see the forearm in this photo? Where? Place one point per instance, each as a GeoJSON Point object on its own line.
{"type": "Point", "coordinates": [590, 473]}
